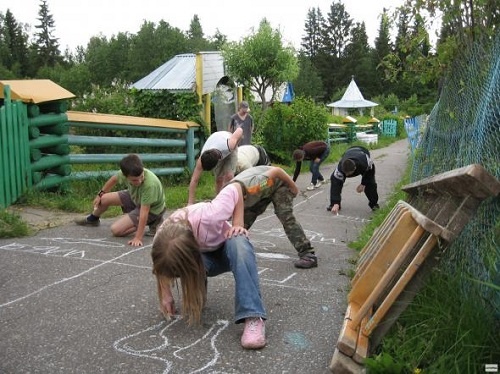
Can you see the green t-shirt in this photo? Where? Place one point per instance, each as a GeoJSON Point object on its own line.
{"type": "Point", "coordinates": [150, 192]}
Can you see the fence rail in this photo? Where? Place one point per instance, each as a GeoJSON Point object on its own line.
{"type": "Point", "coordinates": [38, 145]}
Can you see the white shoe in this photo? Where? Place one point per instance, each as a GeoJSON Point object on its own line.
{"type": "Point", "coordinates": [318, 184]}
{"type": "Point", "coordinates": [310, 187]}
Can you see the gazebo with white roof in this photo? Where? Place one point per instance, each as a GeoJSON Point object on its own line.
{"type": "Point", "coordinates": [352, 99]}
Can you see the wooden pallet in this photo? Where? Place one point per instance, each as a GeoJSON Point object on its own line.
{"type": "Point", "coordinates": [398, 250]}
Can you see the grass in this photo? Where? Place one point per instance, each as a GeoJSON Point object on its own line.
{"type": "Point", "coordinates": [77, 196]}
{"type": "Point", "coordinates": [443, 332]}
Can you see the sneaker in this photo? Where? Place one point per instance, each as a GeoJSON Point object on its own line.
{"type": "Point", "coordinates": [151, 232]}
{"type": "Point", "coordinates": [309, 260]}
{"type": "Point", "coordinates": [254, 334]}
{"type": "Point", "coordinates": [374, 207]}
{"type": "Point", "coordinates": [310, 187]}
{"type": "Point", "coordinates": [154, 225]}
{"type": "Point", "coordinates": [318, 184]}
{"type": "Point", "coordinates": [85, 222]}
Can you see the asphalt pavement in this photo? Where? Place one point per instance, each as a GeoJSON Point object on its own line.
{"type": "Point", "coordinates": [78, 300]}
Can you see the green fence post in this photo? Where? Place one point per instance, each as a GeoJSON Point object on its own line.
{"type": "Point", "coordinates": [190, 149]}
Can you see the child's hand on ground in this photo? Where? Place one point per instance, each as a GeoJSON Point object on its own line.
{"type": "Point", "coordinates": [135, 242]}
{"type": "Point", "coordinates": [168, 308]}
{"type": "Point", "coordinates": [360, 188]}
{"type": "Point", "coordinates": [335, 209]}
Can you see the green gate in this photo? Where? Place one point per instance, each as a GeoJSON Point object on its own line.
{"type": "Point", "coordinates": [15, 167]}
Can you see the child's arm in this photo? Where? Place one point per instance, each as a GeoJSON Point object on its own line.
{"type": "Point", "coordinates": [167, 304]}
{"type": "Point", "coordinates": [193, 184]}
{"type": "Point", "coordinates": [235, 139]}
{"type": "Point", "coordinates": [238, 227]}
{"type": "Point", "coordinates": [108, 186]}
{"type": "Point", "coordinates": [141, 226]}
{"type": "Point", "coordinates": [279, 173]}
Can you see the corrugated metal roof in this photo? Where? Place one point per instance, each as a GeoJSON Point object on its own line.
{"type": "Point", "coordinates": [352, 98]}
{"type": "Point", "coordinates": [177, 74]}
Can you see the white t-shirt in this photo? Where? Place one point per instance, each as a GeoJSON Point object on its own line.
{"type": "Point", "coordinates": [218, 140]}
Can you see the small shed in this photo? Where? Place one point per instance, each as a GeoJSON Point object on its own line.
{"type": "Point", "coordinates": [202, 73]}
{"type": "Point", "coordinates": [352, 99]}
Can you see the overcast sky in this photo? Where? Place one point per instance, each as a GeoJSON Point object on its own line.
{"type": "Point", "coordinates": [77, 21]}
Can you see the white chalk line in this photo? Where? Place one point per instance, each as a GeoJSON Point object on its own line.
{"type": "Point", "coordinates": [63, 280]}
{"type": "Point", "coordinates": [152, 353]}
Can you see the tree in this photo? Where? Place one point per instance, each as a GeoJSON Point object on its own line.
{"type": "Point", "coordinates": [312, 28]}
{"type": "Point", "coordinates": [47, 45]}
{"type": "Point", "coordinates": [261, 62]}
{"type": "Point", "coordinates": [357, 60]}
{"type": "Point", "coordinates": [335, 34]}
{"type": "Point", "coordinates": [308, 83]}
{"type": "Point", "coordinates": [383, 48]}
{"type": "Point", "coordinates": [218, 40]}
{"type": "Point", "coordinates": [152, 46]}
{"type": "Point", "coordinates": [336, 30]}
{"type": "Point", "coordinates": [13, 45]}
{"type": "Point", "coordinates": [196, 38]}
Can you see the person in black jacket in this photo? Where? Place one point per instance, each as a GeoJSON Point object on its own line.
{"type": "Point", "coordinates": [355, 161]}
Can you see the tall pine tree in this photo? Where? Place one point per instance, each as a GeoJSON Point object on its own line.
{"type": "Point", "coordinates": [46, 44]}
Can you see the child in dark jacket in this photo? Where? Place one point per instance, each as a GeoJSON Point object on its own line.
{"type": "Point", "coordinates": [355, 161]}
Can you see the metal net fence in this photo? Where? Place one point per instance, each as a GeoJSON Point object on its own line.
{"type": "Point", "coordinates": [462, 129]}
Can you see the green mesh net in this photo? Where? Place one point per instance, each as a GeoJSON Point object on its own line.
{"type": "Point", "coordinates": [462, 129]}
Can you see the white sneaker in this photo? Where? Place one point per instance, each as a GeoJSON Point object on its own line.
{"type": "Point", "coordinates": [310, 187]}
{"type": "Point", "coordinates": [318, 184]}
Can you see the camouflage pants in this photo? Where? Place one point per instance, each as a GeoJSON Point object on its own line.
{"type": "Point", "coordinates": [282, 200]}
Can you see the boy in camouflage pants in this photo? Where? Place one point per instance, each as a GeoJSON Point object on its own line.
{"type": "Point", "coordinates": [265, 184]}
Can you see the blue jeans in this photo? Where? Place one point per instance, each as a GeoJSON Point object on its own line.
{"type": "Point", "coordinates": [316, 174]}
{"type": "Point", "coordinates": [237, 255]}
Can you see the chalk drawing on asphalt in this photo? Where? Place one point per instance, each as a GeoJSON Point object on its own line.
{"type": "Point", "coordinates": [175, 358]}
{"type": "Point", "coordinates": [313, 236]}
{"type": "Point", "coordinates": [64, 280]}
{"type": "Point", "coordinates": [99, 242]}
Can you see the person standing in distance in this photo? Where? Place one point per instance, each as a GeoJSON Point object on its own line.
{"type": "Point", "coordinates": [242, 119]}
{"type": "Point", "coordinates": [355, 161]}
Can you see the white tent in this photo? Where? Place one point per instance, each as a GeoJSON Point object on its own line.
{"type": "Point", "coordinates": [352, 99]}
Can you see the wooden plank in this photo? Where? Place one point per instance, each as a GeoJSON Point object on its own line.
{"type": "Point", "coordinates": [405, 278]}
{"type": "Point", "coordinates": [379, 235]}
{"type": "Point", "coordinates": [363, 345]}
{"type": "Point", "coordinates": [342, 364]}
{"type": "Point", "coordinates": [429, 225]}
{"type": "Point", "coordinates": [473, 180]}
{"type": "Point", "coordinates": [383, 259]}
{"type": "Point", "coordinates": [348, 336]}
{"type": "Point", "coordinates": [75, 116]}
{"type": "Point", "coordinates": [389, 275]}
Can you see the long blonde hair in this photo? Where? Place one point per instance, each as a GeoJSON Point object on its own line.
{"type": "Point", "coordinates": [176, 254]}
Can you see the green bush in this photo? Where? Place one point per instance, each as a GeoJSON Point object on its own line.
{"type": "Point", "coordinates": [283, 127]}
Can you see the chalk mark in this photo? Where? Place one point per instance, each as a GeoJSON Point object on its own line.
{"type": "Point", "coordinates": [63, 280]}
{"type": "Point", "coordinates": [171, 353]}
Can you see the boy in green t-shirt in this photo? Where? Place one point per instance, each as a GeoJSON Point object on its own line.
{"type": "Point", "coordinates": [143, 201]}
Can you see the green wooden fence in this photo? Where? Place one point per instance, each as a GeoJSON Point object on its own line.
{"type": "Point", "coordinates": [36, 141]}
{"type": "Point", "coordinates": [15, 166]}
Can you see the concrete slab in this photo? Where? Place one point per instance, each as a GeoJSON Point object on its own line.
{"type": "Point", "coordinates": [75, 299]}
